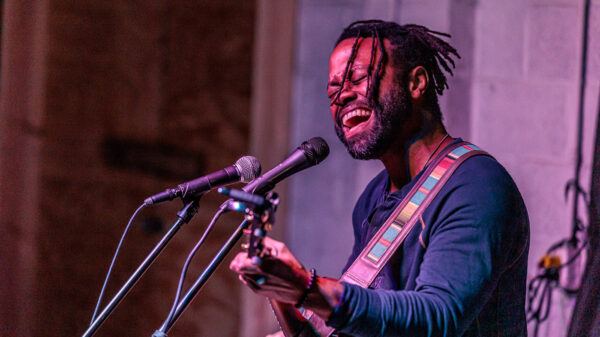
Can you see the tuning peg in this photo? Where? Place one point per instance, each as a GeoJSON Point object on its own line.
{"type": "Point", "coordinates": [259, 233]}
{"type": "Point", "coordinates": [257, 261]}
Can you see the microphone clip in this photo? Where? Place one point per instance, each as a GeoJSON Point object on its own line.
{"type": "Point", "coordinates": [243, 201]}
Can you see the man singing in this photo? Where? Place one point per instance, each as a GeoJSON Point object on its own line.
{"type": "Point", "coordinates": [461, 271]}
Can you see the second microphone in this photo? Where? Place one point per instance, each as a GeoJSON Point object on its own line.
{"type": "Point", "coordinates": [245, 170]}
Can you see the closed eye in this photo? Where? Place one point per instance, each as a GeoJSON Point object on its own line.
{"type": "Point", "coordinates": [332, 97]}
{"type": "Point", "coordinates": [359, 79]}
{"type": "Point", "coordinates": [332, 89]}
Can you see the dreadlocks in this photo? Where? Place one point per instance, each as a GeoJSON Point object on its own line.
{"type": "Point", "coordinates": [412, 46]}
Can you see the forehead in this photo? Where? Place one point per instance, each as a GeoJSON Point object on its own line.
{"type": "Point", "coordinates": [340, 55]}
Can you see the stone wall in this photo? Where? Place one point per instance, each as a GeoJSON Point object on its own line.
{"type": "Point", "coordinates": [525, 103]}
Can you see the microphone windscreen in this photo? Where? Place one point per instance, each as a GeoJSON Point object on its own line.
{"type": "Point", "coordinates": [315, 149]}
{"type": "Point", "coordinates": [248, 168]}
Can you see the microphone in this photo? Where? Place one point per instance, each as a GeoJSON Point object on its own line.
{"type": "Point", "coordinates": [245, 169]}
{"type": "Point", "coordinates": [308, 154]}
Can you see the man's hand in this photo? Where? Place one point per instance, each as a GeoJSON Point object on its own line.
{"type": "Point", "coordinates": [280, 276]}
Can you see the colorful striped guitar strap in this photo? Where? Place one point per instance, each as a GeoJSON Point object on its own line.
{"type": "Point", "coordinates": [397, 227]}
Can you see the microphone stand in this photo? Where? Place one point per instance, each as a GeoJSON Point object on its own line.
{"type": "Point", "coordinates": [259, 210]}
{"type": "Point", "coordinates": [184, 216]}
{"type": "Point", "coordinates": [195, 288]}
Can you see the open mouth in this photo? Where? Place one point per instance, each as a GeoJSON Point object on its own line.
{"type": "Point", "coordinates": [355, 118]}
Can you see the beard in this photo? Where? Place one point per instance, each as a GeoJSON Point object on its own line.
{"type": "Point", "coordinates": [393, 110]}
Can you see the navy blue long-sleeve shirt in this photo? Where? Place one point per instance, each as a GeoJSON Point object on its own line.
{"type": "Point", "coordinates": [461, 272]}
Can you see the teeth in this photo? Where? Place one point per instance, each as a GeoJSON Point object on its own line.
{"type": "Point", "coordinates": [354, 113]}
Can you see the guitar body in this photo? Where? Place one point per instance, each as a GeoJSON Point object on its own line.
{"type": "Point", "coordinates": [294, 324]}
{"type": "Point", "coordinates": [290, 320]}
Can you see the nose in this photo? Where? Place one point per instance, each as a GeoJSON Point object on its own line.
{"type": "Point", "coordinates": [347, 95]}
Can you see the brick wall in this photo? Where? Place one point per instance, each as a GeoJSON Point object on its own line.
{"type": "Point", "coordinates": [137, 97]}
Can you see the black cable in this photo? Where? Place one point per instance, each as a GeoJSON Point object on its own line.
{"type": "Point", "coordinates": [549, 278]}
{"type": "Point", "coordinates": [540, 310]}
{"type": "Point", "coordinates": [586, 20]}
{"type": "Point", "coordinates": [185, 268]}
{"type": "Point", "coordinates": [575, 256]}
{"type": "Point", "coordinates": [113, 261]}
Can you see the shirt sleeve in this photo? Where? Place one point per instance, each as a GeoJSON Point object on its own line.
{"type": "Point", "coordinates": [472, 240]}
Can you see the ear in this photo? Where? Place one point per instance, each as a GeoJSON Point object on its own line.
{"type": "Point", "coordinates": [418, 82]}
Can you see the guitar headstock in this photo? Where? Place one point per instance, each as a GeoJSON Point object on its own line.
{"type": "Point", "coordinates": [260, 214]}
{"type": "Point", "coordinates": [261, 220]}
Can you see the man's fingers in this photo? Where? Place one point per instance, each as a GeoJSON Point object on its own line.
{"type": "Point", "coordinates": [273, 244]}
{"type": "Point", "coordinates": [270, 251]}
{"type": "Point", "coordinates": [241, 278]}
{"type": "Point", "coordinates": [238, 261]}
{"type": "Point", "coordinates": [249, 268]}
{"type": "Point", "coordinates": [241, 264]}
